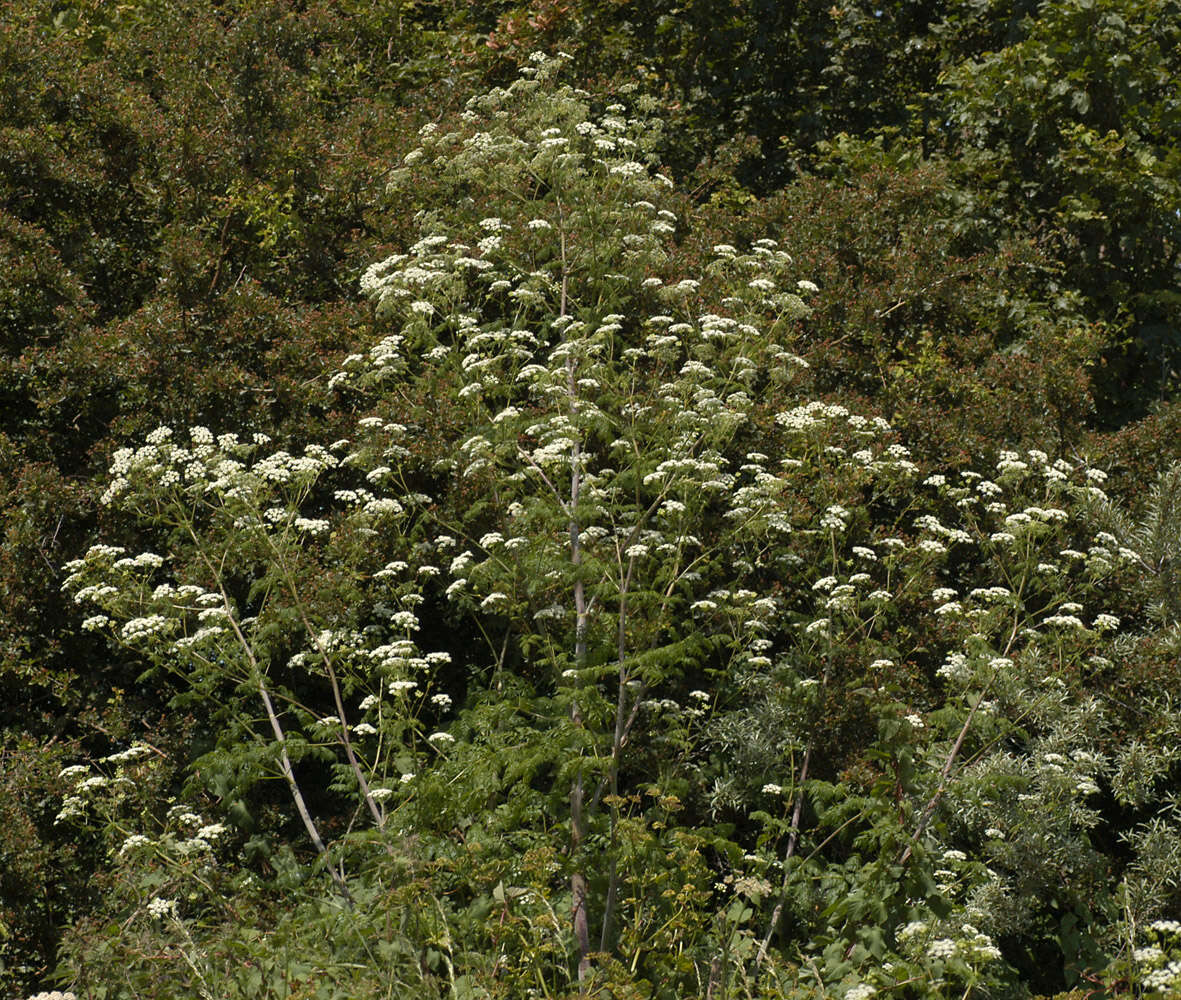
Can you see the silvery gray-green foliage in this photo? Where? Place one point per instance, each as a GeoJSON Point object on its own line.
{"type": "Point", "coordinates": [1156, 534]}
{"type": "Point", "coordinates": [651, 548]}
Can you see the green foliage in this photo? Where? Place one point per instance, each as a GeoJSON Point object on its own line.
{"type": "Point", "coordinates": [185, 198]}
{"type": "Point", "coordinates": [1058, 121]}
{"type": "Point", "coordinates": [45, 870]}
{"type": "Point", "coordinates": [1074, 125]}
{"type": "Point", "coordinates": [659, 613]}
{"type": "Point", "coordinates": [961, 344]}
{"type": "Point", "coordinates": [644, 618]}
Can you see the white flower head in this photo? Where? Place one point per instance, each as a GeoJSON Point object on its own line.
{"type": "Point", "coordinates": [161, 908]}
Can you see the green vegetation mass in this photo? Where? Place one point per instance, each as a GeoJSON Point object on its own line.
{"type": "Point", "coordinates": [581, 498]}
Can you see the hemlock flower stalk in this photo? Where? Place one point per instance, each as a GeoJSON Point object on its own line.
{"type": "Point", "coordinates": [288, 771]}
{"type": "Point", "coordinates": [375, 810]}
{"type": "Point", "coordinates": [578, 884]}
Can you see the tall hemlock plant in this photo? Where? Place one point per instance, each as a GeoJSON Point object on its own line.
{"type": "Point", "coordinates": [576, 623]}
